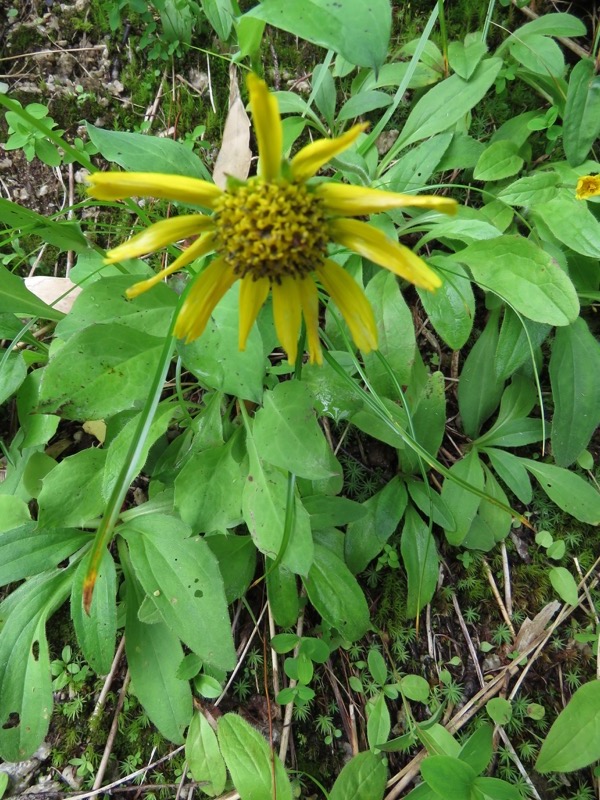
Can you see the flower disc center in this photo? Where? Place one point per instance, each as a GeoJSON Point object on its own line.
{"type": "Point", "coordinates": [271, 230]}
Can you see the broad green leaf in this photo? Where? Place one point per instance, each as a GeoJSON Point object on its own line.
{"type": "Point", "coordinates": [396, 334]}
{"type": "Point", "coordinates": [251, 761]}
{"type": "Point", "coordinates": [569, 491]}
{"type": "Point", "coordinates": [519, 337]}
{"type": "Point", "coordinates": [71, 492]}
{"type": "Point", "coordinates": [359, 33]}
{"type": "Point", "coordinates": [182, 578]}
{"type": "Point", "coordinates": [366, 537]}
{"type": "Point", "coordinates": [331, 395]}
{"type": "Point", "coordinates": [421, 562]}
{"type": "Point", "coordinates": [496, 789]}
{"type": "Point", "coordinates": [538, 54]}
{"type": "Point", "coordinates": [571, 222]}
{"type": "Point", "coordinates": [512, 472]}
{"type": "Point", "coordinates": [154, 654]}
{"type": "Point", "coordinates": [336, 595]}
{"type": "Point", "coordinates": [464, 58]}
{"type": "Point", "coordinates": [575, 379]}
{"type": "Point", "coordinates": [445, 104]}
{"type": "Point", "coordinates": [438, 741]}
{"type": "Point", "coordinates": [573, 741]}
{"type": "Point", "coordinates": [220, 14]}
{"type": "Point", "coordinates": [104, 301]}
{"type": "Point", "coordinates": [377, 666]}
{"type": "Point", "coordinates": [216, 360]}
{"type": "Point", "coordinates": [236, 555]}
{"type": "Point", "coordinates": [499, 160]}
{"type": "Point", "coordinates": [463, 153]}
{"type": "Point", "coordinates": [264, 504]}
{"type": "Point", "coordinates": [428, 423]}
{"type": "Point", "coordinates": [491, 524]}
{"type": "Point", "coordinates": [100, 371]}
{"type": "Point", "coordinates": [412, 171]}
{"type": "Point", "coordinates": [554, 25]}
{"type": "Point", "coordinates": [137, 152]}
{"type": "Point", "coordinates": [429, 502]}
{"type": "Point", "coordinates": [378, 721]}
{"type": "Point", "coordinates": [38, 428]}
{"type": "Point", "coordinates": [564, 585]}
{"type": "Point", "coordinates": [13, 371]}
{"type": "Point", "coordinates": [14, 512]}
{"type": "Point", "coordinates": [415, 687]}
{"type": "Point", "coordinates": [478, 750]}
{"type": "Point", "coordinates": [287, 434]}
{"type": "Point", "coordinates": [581, 124]}
{"type": "Point", "coordinates": [462, 228]}
{"type": "Point", "coordinates": [282, 591]}
{"type": "Point", "coordinates": [372, 424]}
{"type": "Point", "coordinates": [204, 757]}
{"type": "Point", "coordinates": [448, 777]}
{"type": "Point", "coordinates": [525, 276]}
{"type": "Point", "coordinates": [25, 683]}
{"type": "Point", "coordinates": [208, 490]}
{"type": "Point", "coordinates": [479, 389]}
{"type": "Point", "coordinates": [537, 188]}
{"type": "Point", "coordinates": [362, 778]}
{"type": "Point", "coordinates": [329, 512]}
{"type": "Point", "coordinates": [451, 309]}
{"type": "Point", "coordinates": [28, 549]}
{"type": "Point", "coordinates": [97, 630]}
{"type": "Point", "coordinates": [462, 503]}
{"type": "Point", "coordinates": [363, 103]}
{"type": "Point", "coordinates": [63, 235]}
{"type": "Point", "coordinates": [16, 299]}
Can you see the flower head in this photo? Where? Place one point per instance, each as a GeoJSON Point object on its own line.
{"type": "Point", "coordinates": [587, 186]}
{"type": "Point", "coordinates": [271, 233]}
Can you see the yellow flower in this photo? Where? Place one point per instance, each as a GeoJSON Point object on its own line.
{"type": "Point", "coordinates": [587, 186]}
{"type": "Point", "coordinates": [271, 233]}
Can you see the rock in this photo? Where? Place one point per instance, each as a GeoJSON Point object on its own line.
{"type": "Point", "coordinates": [20, 773]}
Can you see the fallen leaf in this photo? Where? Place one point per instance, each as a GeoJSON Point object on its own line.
{"type": "Point", "coordinates": [235, 154]}
{"type": "Point", "coordinates": [49, 289]}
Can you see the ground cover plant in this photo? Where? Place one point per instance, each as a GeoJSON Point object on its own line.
{"type": "Point", "coordinates": [300, 438]}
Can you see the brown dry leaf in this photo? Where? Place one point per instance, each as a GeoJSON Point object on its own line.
{"type": "Point", "coordinates": [97, 428]}
{"type": "Point", "coordinates": [535, 628]}
{"type": "Point", "coordinates": [235, 154]}
{"type": "Point", "coordinates": [48, 289]}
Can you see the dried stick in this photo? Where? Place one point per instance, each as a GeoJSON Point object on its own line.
{"type": "Point", "coordinates": [499, 600]}
{"type": "Point", "coordinates": [289, 709]}
{"type": "Point", "coordinates": [111, 734]}
{"type": "Point", "coordinates": [108, 680]}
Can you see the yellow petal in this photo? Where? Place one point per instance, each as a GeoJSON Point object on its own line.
{"type": "Point", "coordinates": [375, 245]}
{"type": "Point", "coordinates": [159, 235]}
{"type": "Point", "coordinates": [350, 201]}
{"type": "Point", "coordinates": [203, 245]}
{"type": "Point", "coordinates": [117, 185]}
{"type": "Point", "coordinates": [267, 127]}
{"type": "Point", "coordinates": [312, 157]}
{"type": "Point", "coordinates": [352, 302]}
{"type": "Point", "coordinates": [287, 315]}
{"type": "Point", "coordinates": [309, 298]}
{"type": "Point", "coordinates": [252, 297]}
{"type": "Point", "coordinates": [209, 287]}
{"type": "Point", "coordinates": [587, 186]}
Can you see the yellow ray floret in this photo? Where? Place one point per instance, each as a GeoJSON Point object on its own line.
{"type": "Point", "coordinates": [355, 201]}
{"type": "Point", "coordinates": [587, 186]}
{"type": "Point", "coordinates": [117, 185]}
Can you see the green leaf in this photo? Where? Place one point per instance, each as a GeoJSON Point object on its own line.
{"type": "Point", "coordinates": [428, 423]}
{"type": "Point", "coordinates": [336, 594]}
{"type": "Point", "coordinates": [154, 654]}
{"type": "Point", "coordinates": [451, 308]}
{"type": "Point", "coordinates": [38, 428]}
{"type": "Point", "coordinates": [137, 152]}
{"type": "Point", "coordinates": [26, 690]}
{"type": "Point", "coordinates": [182, 578]}
{"type": "Point", "coordinates": [204, 757]}
{"type": "Point", "coordinates": [538, 54]}
{"type": "Point", "coordinates": [438, 741]}
{"type": "Point", "coordinates": [496, 789]}
{"type": "Point", "coordinates": [500, 710]}
{"type": "Point", "coordinates": [287, 434]}
{"type": "Point", "coordinates": [331, 512]}
{"type": "Point", "coordinates": [96, 630]}
{"type": "Point", "coordinates": [216, 360]}
{"type": "Point", "coordinates": [568, 490]}
{"type": "Point", "coordinates": [236, 555]}
{"type": "Point", "coordinates": [554, 25]}
{"type": "Point", "coordinates": [464, 58]}
{"type": "Point", "coordinates": [220, 14]}
{"type": "Point", "coordinates": [478, 750]}
{"type": "Point", "coordinates": [462, 503]}
{"type": "Point", "coordinates": [491, 524]}
{"type": "Point", "coordinates": [446, 103]}
{"type": "Point", "coordinates": [283, 597]}
{"type": "Point", "coordinates": [581, 124]}
{"type": "Point", "coordinates": [448, 777]}
{"type": "Point", "coordinates": [525, 276]}
{"type": "Point", "coordinates": [251, 761]}
{"type": "Point", "coordinates": [413, 170]}
{"type": "Point", "coordinates": [573, 741]}
{"type": "Point", "coordinates": [264, 503]}
{"type": "Point", "coordinates": [396, 334]}
{"type": "Point", "coordinates": [575, 379]}
{"type": "Point", "coordinates": [13, 512]}
{"type": "Point", "coordinates": [571, 222]}
{"type": "Point", "coordinates": [63, 235]}
{"type": "Point", "coordinates": [28, 550]}
{"type": "Point", "coordinates": [378, 721]}
{"type": "Point", "coordinates": [208, 490]}
{"type": "Point", "coordinates": [519, 337]}
{"type": "Point", "coordinates": [362, 778]}
{"type": "Point", "coordinates": [377, 667]}
{"type": "Point", "coordinates": [512, 472]}
{"type": "Point", "coordinates": [366, 537]}
{"type": "Point", "coordinates": [564, 585]}
{"type": "Point", "coordinates": [415, 688]}
{"type": "Point", "coordinates": [13, 371]}
{"type": "Point", "coordinates": [363, 103]}
{"type": "Point", "coordinates": [479, 389]}
{"type": "Point", "coordinates": [15, 298]}
{"type": "Point", "coordinates": [429, 503]}
{"type": "Point", "coordinates": [100, 371]}
{"type": "Point", "coordinates": [71, 492]}
{"type": "Point", "coordinates": [359, 33]}
{"type": "Point", "coordinates": [499, 160]}
{"type": "Point", "coordinates": [537, 188]}
{"type": "Point", "coordinates": [421, 562]}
